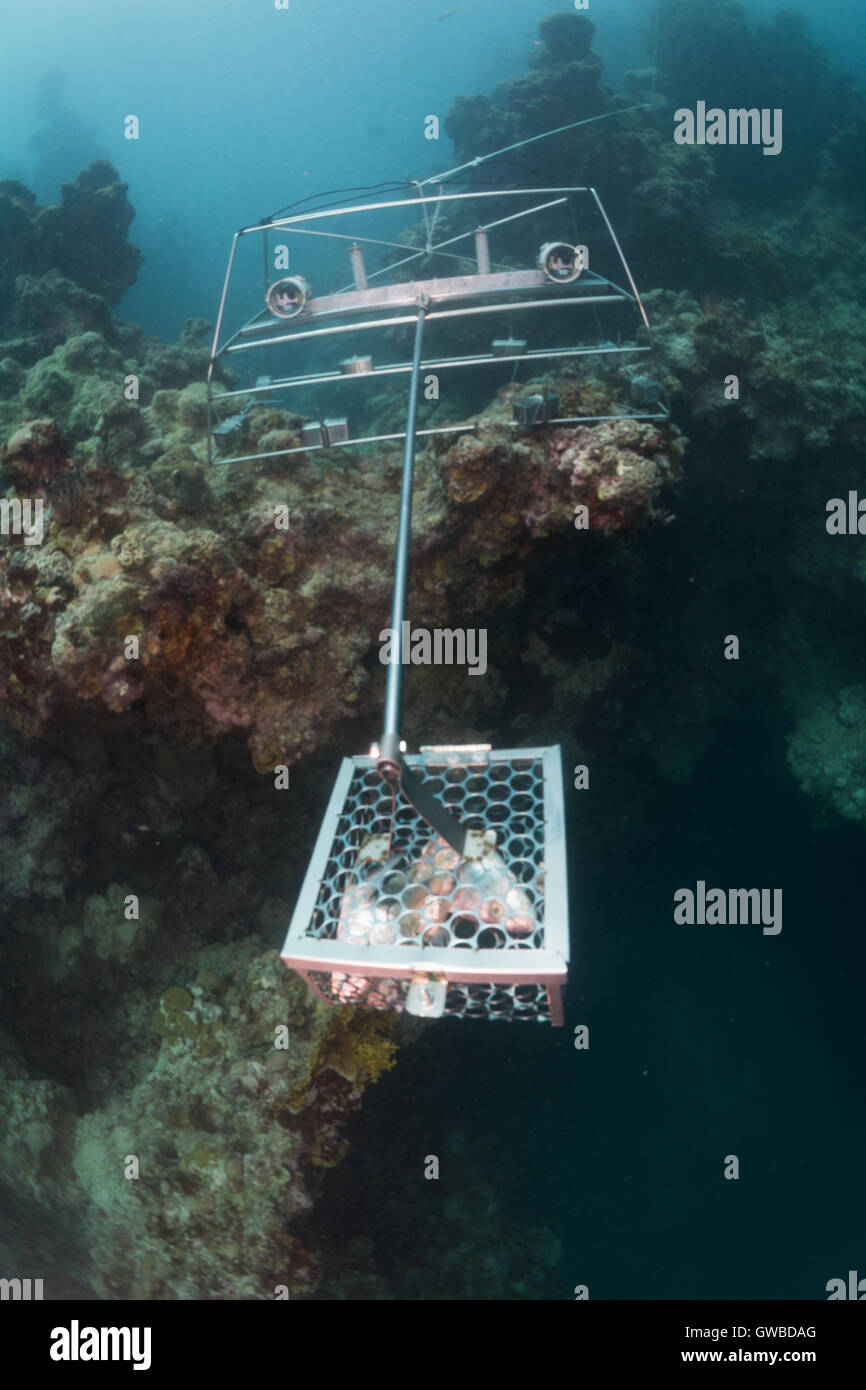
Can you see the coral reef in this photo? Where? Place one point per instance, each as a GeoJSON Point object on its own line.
{"type": "Point", "coordinates": [83, 240]}
{"type": "Point", "coordinates": [716, 56]}
{"type": "Point", "coordinates": [565, 37]}
{"type": "Point", "coordinates": [674, 205]}
{"type": "Point", "coordinates": [139, 925]}
{"type": "Point", "coordinates": [188, 1182]}
{"type": "Point", "coordinates": [827, 753]}
{"type": "Point", "coordinates": [263, 630]}
{"type": "Point", "coordinates": [655, 191]}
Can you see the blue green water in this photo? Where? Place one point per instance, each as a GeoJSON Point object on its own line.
{"type": "Point", "coordinates": [704, 1041]}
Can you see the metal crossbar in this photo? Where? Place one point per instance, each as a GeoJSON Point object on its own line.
{"type": "Point", "coordinates": [373, 309]}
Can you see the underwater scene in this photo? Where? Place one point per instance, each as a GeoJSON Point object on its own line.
{"type": "Point", "coordinates": [432, 661]}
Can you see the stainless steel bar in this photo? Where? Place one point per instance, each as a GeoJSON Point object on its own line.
{"type": "Point", "coordinates": [344, 443]}
{"type": "Point", "coordinates": [440, 429]}
{"type": "Point", "coordinates": [603, 279]}
{"type": "Point", "coordinates": [449, 255]}
{"type": "Point", "coordinates": [434, 314]}
{"type": "Point", "coordinates": [216, 335]}
{"type": "Point", "coordinates": [384, 270]}
{"type": "Point", "coordinates": [408, 203]}
{"type": "Point", "coordinates": [267, 278]}
{"type": "Point", "coordinates": [435, 217]}
{"type": "Point", "coordinates": [226, 347]}
{"type": "Point", "coordinates": [423, 204]}
{"type": "Point", "coordinates": [344, 236]}
{"type": "Point", "coordinates": [524, 212]}
{"type": "Point", "coordinates": [394, 685]}
{"type": "Point", "coordinates": [324, 332]}
{"type": "Point", "coordinates": [469, 285]}
{"type": "Point", "coordinates": [497, 267]}
{"type": "Point", "coordinates": [525, 304]}
{"type": "Point", "coordinates": [259, 321]}
{"type": "Point", "coordinates": [224, 295]}
{"type": "Point", "coordinates": [404, 295]}
{"type": "Point", "coordinates": [625, 267]}
{"type": "Point", "coordinates": [320, 953]}
{"type": "Point", "coordinates": [556, 885]}
{"type": "Point", "coordinates": [398, 368]}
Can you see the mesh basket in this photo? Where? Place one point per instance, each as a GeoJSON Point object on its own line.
{"type": "Point", "coordinates": [390, 916]}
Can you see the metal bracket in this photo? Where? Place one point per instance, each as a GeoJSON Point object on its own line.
{"type": "Point", "coordinates": [394, 770]}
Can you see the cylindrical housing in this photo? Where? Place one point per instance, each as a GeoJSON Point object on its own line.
{"type": "Point", "coordinates": [356, 256]}
{"type": "Point", "coordinates": [560, 262]}
{"type": "Point", "coordinates": [287, 298]}
{"type": "Point", "coordinates": [482, 252]}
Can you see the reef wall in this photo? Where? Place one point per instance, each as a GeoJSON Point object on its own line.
{"type": "Point", "coordinates": [148, 862]}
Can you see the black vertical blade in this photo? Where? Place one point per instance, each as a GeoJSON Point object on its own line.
{"type": "Point", "coordinates": [432, 810]}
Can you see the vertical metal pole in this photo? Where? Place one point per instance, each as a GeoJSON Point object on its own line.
{"type": "Point", "coordinates": [216, 338]}
{"type": "Point", "coordinates": [621, 254]}
{"type": "Point", "coordinates": [267, 268]}
{"type": "Point", "coordinates": [664, 395]}
{"type": "Point", "coordinates": [390, 745]}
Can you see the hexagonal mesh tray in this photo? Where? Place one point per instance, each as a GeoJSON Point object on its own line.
{"type": "Point", "coordinates": [387, 880]}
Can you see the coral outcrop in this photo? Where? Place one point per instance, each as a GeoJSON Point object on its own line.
{"type": "Point", "coordinates": [263, 628]}
{"type": "Point", "coordinates": [83, 239]}
{"type": "Point", "coordinates": [827, 753]}
{"type": "Point", "coordinates": [189, 1181]}
{"type": "Point", "coordinates": [180, 630]}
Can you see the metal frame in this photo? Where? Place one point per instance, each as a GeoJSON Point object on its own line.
{"type": "Point", "coordinates": [335, 868]}
{"type": "Point", "coordinates": [546, 966]}
{"type": "Point", "coordinates": [363, 307]}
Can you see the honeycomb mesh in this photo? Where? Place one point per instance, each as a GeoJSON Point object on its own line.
{"type": "Point", "coordinates": [389, 880]}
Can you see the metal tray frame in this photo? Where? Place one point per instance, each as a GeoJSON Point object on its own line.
{"type": "Point", "coordinates": [362, 307]}
{"type": "Point", "coordinates": [547, 966]}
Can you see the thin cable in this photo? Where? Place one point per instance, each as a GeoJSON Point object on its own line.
{"type": "Point", "coordinates": [387, 184]}
{"type": "Point", "coordinates": [394, 184]}
{"type": "Point", "coordinates": [530, 140]}
{"type": "Point", "coordinates": [329, 192]}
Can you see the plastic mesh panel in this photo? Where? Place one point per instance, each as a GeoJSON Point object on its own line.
{"type": "Point", "coordinates": [390, 881]}
{"type": "Point", "coordinates": [511, 1002]}
{"type": "Point", "coordinates": [357, 989]}
{"type": "Point", "coordinates": [413, 889]}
